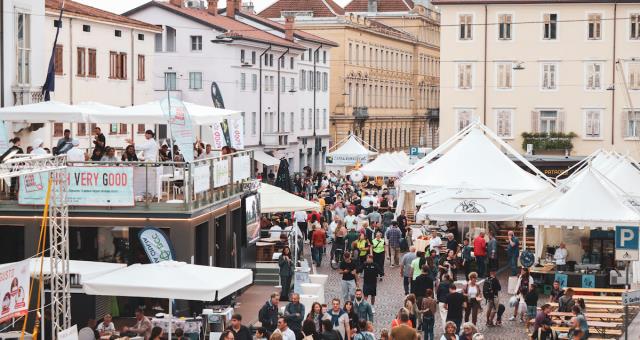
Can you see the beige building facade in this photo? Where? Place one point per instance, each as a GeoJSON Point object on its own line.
{"type": "Point", "coordinates": [384, 74]}
{"type": "Point", "coordinates": [531, 70]}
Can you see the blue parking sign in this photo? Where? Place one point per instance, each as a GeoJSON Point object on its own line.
{"type": "Point", "coordinates": [627, 245]}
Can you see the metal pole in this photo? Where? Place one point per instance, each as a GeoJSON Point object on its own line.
{"type": "Point", "coordinates": [170, 317]}
{"type": "Point", "coordinates": [626, 307]}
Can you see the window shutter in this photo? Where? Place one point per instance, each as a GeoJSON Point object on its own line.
{"type": "Point", "coordinates": [508, 71]}
{"type": "Point", "coordinates": [626, 115]}
{"type": "Point", "coordinates": [535, 121]}
{"type": "Point", "coordinates": [589, 123]}
{"type": "Point", "coordinates": [561, 115]}
{"type": "Point", "coordinates": [507, 123]}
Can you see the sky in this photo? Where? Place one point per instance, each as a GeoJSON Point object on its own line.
{"type": "Point", "coordinates": [121, 6]}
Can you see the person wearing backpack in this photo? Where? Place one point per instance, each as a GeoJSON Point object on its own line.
{"type": "Point", "coordinates": [490, 289]}
{"type": "Point", "coordinates": [362, 333]}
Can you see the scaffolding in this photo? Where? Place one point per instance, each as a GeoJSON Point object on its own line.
{"type": "Point", "coordinates": [58, 219]}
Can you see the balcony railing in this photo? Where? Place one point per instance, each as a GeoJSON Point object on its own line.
{"type": "Point", "coordinates": [361, 112]}
{"type": "Point", "coordinates": [23, 95]}
{"type": "Point", "coordinates": [553, 141]}
{"type": "Point", "coordinates": [163, 187]}
{"type": "Point", "coordinates": [276, 139]}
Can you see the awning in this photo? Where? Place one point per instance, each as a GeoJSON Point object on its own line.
{"type": "Point", "coordinates": [264, 158]}
{"type": "Point", "coordinates": [274, 199]}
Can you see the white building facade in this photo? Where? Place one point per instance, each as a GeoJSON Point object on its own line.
{"type": "Point", "coordinates": [257, 72]}
{"type": "Point", "coordinates": [554, 67]}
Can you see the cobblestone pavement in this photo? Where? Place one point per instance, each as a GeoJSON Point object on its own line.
{"type": "Point", "coordinates": [391, 297]}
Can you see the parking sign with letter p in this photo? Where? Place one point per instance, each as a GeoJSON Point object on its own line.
{"type": "Point", "coordinates": [627, 245]}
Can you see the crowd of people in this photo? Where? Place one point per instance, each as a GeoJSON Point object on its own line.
{"type": "Point", "coordinates": [357, 231]}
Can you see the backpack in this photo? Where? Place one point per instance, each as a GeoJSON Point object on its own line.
{"type": "Point", "coordinates": [487, 289]}
{"type": "Point", "coordinates": [363, 336]}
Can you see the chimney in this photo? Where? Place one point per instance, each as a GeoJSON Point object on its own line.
{"type": "Point", "coordinates": [176, 2]}
{"type": "Point", "coordinates": [372, 6]}
{"type": "Point", "coordinates": [289, 20]}
{"type": "Point", "coordinates": [232, 7]}
{"type": "Point", "coordinates": [212, 7]}
{"type": "Point", "coordinates": [248, 7]}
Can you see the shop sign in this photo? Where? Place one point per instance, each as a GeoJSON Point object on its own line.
{"type": "Point", "coordinates": [631, 298]}
{"type": "Point", "coordinates": [241, 168]}
{"type": "Point", "coordinates": [346, 159]}
{"type": "Point", "coordinates": [14, 287]}
{"type": "Point", "coordinates": [220, 173]}
{"type": "Point", "coordinates": [70, 333]}
{"type": "Point", "coordinates": [627, 243]}
{"type": "Point", "coordinates": [87, 186]}
{"type": "Point", "coordinates": [156, 244]}
{"type": "Point", "coordinates": [201, 178]}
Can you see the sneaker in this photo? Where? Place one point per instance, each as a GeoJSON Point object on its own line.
{"type": "Point", "coordinates": [512, 318]}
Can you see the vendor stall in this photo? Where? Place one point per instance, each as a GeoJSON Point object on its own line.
{"type": "Point", "coordinates": [385, 165]}
{"type": "Point", "coordinates": [349, 152]}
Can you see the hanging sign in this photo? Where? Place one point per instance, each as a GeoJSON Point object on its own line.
{"type": "Point", "coordinates": [180, 125]}
{"type": "Point", "coordinates": [562, 279]}
{"type": "Point", "coordinates": [14, 287]}
{"type": "Point", "coordinates": [346, 159]}
{"type": "Point", "coordinates": [156, 244]}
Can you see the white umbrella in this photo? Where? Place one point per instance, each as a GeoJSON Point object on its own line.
{"type": "Point", "coordinates": [274, 199]}
{"type": "Point", "coordinates": [152, 113]}
{"type": "Point", "coordinates": [42, 112]}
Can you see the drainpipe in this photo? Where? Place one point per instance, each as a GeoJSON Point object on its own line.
{"type": "Point", "coordinates": [484, 95]}
{"type": "Point", "coordinates": [70, 60]}
{"type": "Point", "coordinates": [2, 53]}
{"type": "Point", "coordinates": [316, 56]}
{"type": "Point", "coordinates": [613, 74]}
{"type": "Point", "coordinates": [279, 59]}
{"type": "Point", "coordinates": [133, 75]}
{"type": "Point", "coordinates": [260, 93]}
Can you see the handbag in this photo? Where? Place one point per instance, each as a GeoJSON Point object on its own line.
{"type": "Point", "coordinates": [512, 288]}
{"type": "Point", "coordinates": [513, 301]}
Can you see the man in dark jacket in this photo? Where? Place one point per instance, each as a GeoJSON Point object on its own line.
{"type": "Point", "coordinates": [422, 283]}
{"type": "Point", "coordinates": [240, 331]}
{"type": "Point", "coordinates": [268, 314]}
{"type": "Point", "coordinates": [294, 312]}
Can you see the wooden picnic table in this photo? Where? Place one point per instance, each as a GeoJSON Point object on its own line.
{"type": "Point", "coordinates": [617, 291]}
{"type": "Point", "coordinates": [596, 306]}
{"type": "Point", "coordinates": [604, 328]}
{"type": "Point", "coordinates": [605, 298]}
{"type": "Point", "coordinates": [591, 316]}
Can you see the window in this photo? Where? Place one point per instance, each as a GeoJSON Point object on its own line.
{"type": "Point", "coordinates": [254, 82]}
{"type": "Point", "coordinates": [141, 129]}
{"type": "Point", "coordinates": [253, 123]}
{"type": "Point", "coordinates": [253, 57]}
{"type": "Point", "coordinates": [504, 75]}
{"type": "Point", "coordinates": [196, 43]}
{"type": "Point", "coordinates": [157, 42]}
{"type": "Point", "coordinates": [465, 22]}
{"type": "Point", "coordinates": [324, 57]}
{"type": "Point", "coordinates": [632, 124]}
{"type": "Point", "coordinates": [301, 119]}
{"type": "Point", "coordinates": [357, 54]}
{"type": "Point", "coordinates": [291, 63]}
{"type": "Point", "coordinates": [117, 65]}
{"type": "Point", "coordinates": [303, 79]}
{"type": "Point", "coordinates": [464, 76]}
{"type": "Point", "coordinates": [92, 63]}
{"type": "Point", "coordinates": [594, 26]}
{"type": "Point", "coordinates": [634, 28]}
{"type": "Point", "coordinates": [118, 33]}
{"type": "Point", "coordinates": [283, 84]}
{"type": "Point", "coordinates": [58, 64]}
{"type": "Point", "coordinates": [549, 121]}
{"type": "Point", "coordinates": [270, 59]}
{"type": "Point", "coordinates": [243, 81]}
{"type": "Point", "coordinates": [123, 129]}
{"type": "Point", "coordinates": [141, 68]}
{"type": "Point", "coordinates": [23, 44]}
{"type": "Point", "coordinates": [325, 81]}
{"type": "Point", "coordinates": [82, 129]}
{"type": "Point", "coordinates": [594, 76]}
{"type": "Point", "coordinates": [170, 81]}
{"type": "Point", "coordinates": [310, 119]}
{"type": "Point", "coordinates": [324, 118]}
{"type": "Point", "coordinates": [318, 79]}
{"type": "Point", "coordinates": [85, 28]}
{"type": "Point", "coordinates": [310, 81]}
{"type": "Point", "coordinates": [291, 121]}
{"type": "Point", "coordinates": [550, 26]}
{"type": "Point", "coordinates": [292, 84]}
{"type": "Point", "coordinates": [140, 36]}
{"type": "Point", "coordinates": [504, 26]}
{"type": "Point", "coordinates": [113, 129]}
{"type": "Point", "coordinates": [242, 56]}
{"type": "Point", "coordinates": [81, 61]}
{"type": "Point", "coordinates": [592, 123]}
{"type": "Point", "coordinates": [195, 80]}
{"type": "Point", "coordinates": [271, 82]}
{"type": "Point", "coordinates": [282, 62]}
{"type": "Point", "coordinates": [634, 76]}
{"type": "Point", "coordinates": [58, 129]}
{"type": "Point", "coordinates": [504, 123]}
{"type": "Point", "coordinates": [463, 118]}
{"type": "Point", "coordinates": [549, 76]}
{"type": "Point", "coordinates": [350, 54]}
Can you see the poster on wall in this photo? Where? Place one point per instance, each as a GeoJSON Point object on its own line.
{"type": "Point", "coordinates": [201, 178]}
{"type": "Point", "coordinates": [180, 126]}
{"type": "Point", "coordinates": [14, 287]}
{"type": "Point", "coordinates": [88, 186]}
{"type": "Point", "coordinates": [241, 168]}
{"type": "Point", "coordinates": [220, 173]}
{"type": "Point", "coordinates": [251, 215]}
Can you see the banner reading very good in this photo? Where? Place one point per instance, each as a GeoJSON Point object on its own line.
{"type": "Point", "coordinates": [88, 186]}
{"type": "Point", "coordinates": [14, 287]}
{"type": "Point", "coordinates": [156, 244]}
{"type": "Point", "coordinates": [180, 125]}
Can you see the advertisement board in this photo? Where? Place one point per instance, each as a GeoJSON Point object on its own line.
{"type": "Point", "coordinates": [156, 244]}
{"type": "Point", "coordinates": [241, 168]}
{"type": "Point", "coordinates": [346, 159]}
{"type": "Point", "coordinates": [14, 287]}
{"type": "Point", "coordinates": [220, 173]}
{"type": "Point", "coordinates": [251, 215]}
{"type": "Point", "coordinates": [201, 178]}
{"type": "Point", "coordinates": [88, 186]}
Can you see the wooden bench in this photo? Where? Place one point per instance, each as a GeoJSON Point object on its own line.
{"type": "Point", "coordinates": [592, 330]}
{"type": "Point", "coordinates": [598, 298]}
{"type": "Point", "coordinates": [591, 316]}
{"type": "Point", "coordinates": [613, 291]}
{"type": "Point", "coordinates": [592, 307]}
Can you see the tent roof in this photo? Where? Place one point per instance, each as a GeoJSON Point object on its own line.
{"type": "Point", "coordinates": [43, 112]}
{"type": "Point", "coordinates": [274, 199]}
{"type": "Point", "coordinates": [352, 146]}
{"type": "Point", "coordinates": [170, 280]}
{"type": "Point", "coordinates": [86, 269]}
{"type": "Point", "coordinates": [385, 165]}
{"type": "Point", "coordinates": [152, 113]}
{"type": "Point", "coordinates": [265, 158]}
{"type": "Point", "coordinates": [453, 204]}
{"type": "Point", "coordinates": [625, 176]}
{"type": "Point", "coordinates": [590, 201]}
{"type": "Point", "coordinates": [475, 159]}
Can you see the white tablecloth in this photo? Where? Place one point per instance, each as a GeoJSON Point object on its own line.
{"type": "Point", "coordinates": [190, 326]}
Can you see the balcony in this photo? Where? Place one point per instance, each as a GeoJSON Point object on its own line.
{"type": "Point", "coordinates": [164, 188]}
{"type": "Point", "coordinates": [276, 140]}
{"type": "Point", "coordinates": [27, 94]}
{"type": "Point", "coordinates": [361, 112]}
{"type": "Point", "coordinates": [433, 114]}
{"type": "Point", "coordinates": [553, 142]}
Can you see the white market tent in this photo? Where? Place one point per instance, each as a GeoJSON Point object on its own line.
{"type": "Point", "coordinates": [464, 204]}
{"type": "Point", "coordinates": [350, 151]}
{"type": "Point", "coordinates": [170, 280]}
{"type": "Point", "coordinates": [50, 111]}
{"type": "Point", "coordinates": [85, 269]}
{"type": "Point", "coordinates": [274, 199]}
{"type": "Point", "coordinates": [385, 165]}
{"type": "Point", "coordinates": [152, 113]}
{"type": "Point", "coordinates": [265, 158]}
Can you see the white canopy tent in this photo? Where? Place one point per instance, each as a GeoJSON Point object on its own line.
{"type": "Point", "coordinates": [274, 199]}
{"type": "Point", "coordinates": [385, 165]}
{"type": "Point", "coordinates": [42, 112]}
{"type": "Point", "coordinates": [350, 151]}
{"type": "Point", "coordinates": [170, 280]}
{"type": "Point", "coordinates": [85, 269]}
{"type": "Point", "coordinates": [152, 113]}
{"type": "Point", "coordinates": [265, 158]}
{"type": "Point", "coordinates": [464, 204]}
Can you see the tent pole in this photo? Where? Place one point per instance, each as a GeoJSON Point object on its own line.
{"type": "Point", "coordinates": [42, 303]}
{"type": "Point", "coordinates": [170, 317]}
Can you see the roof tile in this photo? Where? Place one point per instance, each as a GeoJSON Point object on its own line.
{"type": "Point", "coordinates": [280, 27]}
{"type": "Point", "coordinates": [383, 6]}
{"type": "Point", "coordinates": [320, 8]}
{"type": "Point", "coordinates": [97, 14]}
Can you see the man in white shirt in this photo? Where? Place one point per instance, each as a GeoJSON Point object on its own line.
{"type": "Point", "coordinates": [350, 220]}
{"type": "Point", "coordinates": [106, 327]}
{"type": "Point", "coordinates": [435, 242]}
{"type": "Point", "coordinates": [149, 147]}
{"type": "Point", "coordinates": [75, 154]}
{"type": "Point", "coordinates": [283, 328]}
{"type": "Point", "coordinates": [301, 220]}
{"type": "Point", "coordinates": [37, 147]}
{"type": "Point", "coordinates": [560, 257]}
{"type": "Point", "coordinates": [275, 231]}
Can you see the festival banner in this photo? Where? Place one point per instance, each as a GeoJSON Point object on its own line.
{"type": "Point", "coordinates": [218, 136]}
{"type": "Point", "coordinates": [241, 168]}
{"type": "Point", "coordinates": [180, 125]}
{"type": "Point", "coordinates": [220, 173]}
{"type": "Point", "coordinates": [228, 132]}
{"type": "Point", "coordinates": [14, 287]}
{"type": "Point", "coordinates": [588, 281]}
{"type": "Point", "coordinates": [88, 186]}
{"type": "Point", "coordinates": [156, 244]}
{"type": "Point", "coordinates": [201, 178]}
{"type": "Point", "coordinates": [236, 127]}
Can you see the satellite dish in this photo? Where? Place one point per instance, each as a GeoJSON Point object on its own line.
{"type": "Point", "coordinates": [356, 176]}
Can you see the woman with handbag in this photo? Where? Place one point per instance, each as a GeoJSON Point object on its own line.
{"type": "Point", "coordinates": [428, 311]}
{"type": "Point", "coordinates": [523, 283]}
{"type": "Point", "coordinates": [473, 292]}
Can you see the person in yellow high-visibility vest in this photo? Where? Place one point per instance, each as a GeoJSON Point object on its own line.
{"type": "Point", "coordinates": [377, 246]}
